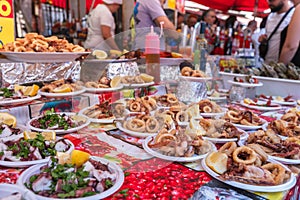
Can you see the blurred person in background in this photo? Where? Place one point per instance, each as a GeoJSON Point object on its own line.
{"type": "Point", "coordinates": [291, 45]}
{"type": "Point", "coordinates": [150, 13]}
{"type": "Point", "coordinates": [101, 26]}
{"type": "Point", "coordinates": [278, 10]}
{"type": "Point", "coordinates": [192, 20]}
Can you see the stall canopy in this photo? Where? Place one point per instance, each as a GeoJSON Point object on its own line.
{"type": "Point", "coordinates": [244, 5]}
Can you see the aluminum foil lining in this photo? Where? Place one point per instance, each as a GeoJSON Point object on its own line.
{"type": "Point", "coordinates": [122, 69]}
{"type": "Point", "coordinates": [191, 91]}
{"type": "Point", "coordinates": [20, 73]}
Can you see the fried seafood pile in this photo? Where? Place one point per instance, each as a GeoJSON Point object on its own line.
{"type": "Point", "coordinates": [219, 128]}
{"type": "Point", "coordinates": [32, 42]}
{"type": "Point", "coordinates": [179, 144]}
{"type": "Point", "coordinates": [288, 125]}
{"type": "Point", "coordinates": [247, 165]}
{"type": "Point", "coordinates": [61, 86]}
{"type": "Point", "coordinates": [273, 145]}
{"type": "Point", "coordinates": [100, 111]}
{"type": "Point", "coordinates": [207, 106]}
{"type": "Point", "coordinates": [167, 100]}
{"type": "Point", "coordinates": [138, 79]}
{"type": "Point", "coordinates": [145, 123]}
{"type": "Point", "coordinates": [188, 71]}
{"type": "Point", "coordinates": [144, 104]}
{"type": "Point", "coordinates": [103, 82]}
{"type": "Point", "coordinates": [246, 117]}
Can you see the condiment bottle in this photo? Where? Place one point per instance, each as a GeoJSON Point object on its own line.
{"type": "Point", "coordinates": [152, 53]}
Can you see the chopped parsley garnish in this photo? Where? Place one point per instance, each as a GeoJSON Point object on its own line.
{"type": "Point", "coordinates": [5, 92]}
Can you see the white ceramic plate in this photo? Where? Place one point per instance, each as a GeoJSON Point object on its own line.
{"type": "Point", "coordinates": [95, 120]}
{"type": "Point", "coordinates": [286, 160]}
{"type": "Point", "coordinates": [224, 140]}
{"type": "Point", "coordinates": [133, 133]}
{"type": "Point", "coordinates": [257, 188]}
{"type": "Point", "coordinates": [66, 94]}
{"type": "Point", "coordinates": [18, 101]}
{"type": "Point", "coordinates": [8, 189]}
{"type": "Point", "coordinates": [209, 115]}
{"type": "Point", "coordinates": [262, 108]}
{"type": "Point", "coordinates": [22, 164]}
{"type": "Point", "coordinates": [285, 103]}
{"type": "Point", "coordinates": [100, 90]}
{"type": "Point", "coordinates": [248, 128]}
{"type": "Point", "coordinates": [246, 84]}
{"type": "Point", "coordinates": [195, 79]}
{"type": "Point", "coordinates": [34, 57]}
{"type": "Point", "coordinates": [173, 158]}
{"type": "Point", "coordinates": [24, 178]}
{"type": "Point", "coordinates": [110, 60]}
{"type": "Point", "coordinates": [216, 98]}
{"type": "Point", "coordinates": [138, 85]}
{"type": "Point", "coordinates": [60, 131]}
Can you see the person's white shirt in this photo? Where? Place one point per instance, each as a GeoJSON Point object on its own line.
{"type": "Point", "coordinates": [99, 16]}
{"type": "Point", "coordinates": [274, 43]}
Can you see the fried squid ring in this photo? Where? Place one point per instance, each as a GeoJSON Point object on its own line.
{"type": "Point", "coordinates": [135, 107]}
{"type": "Point", "coordinates": [92, 84]}
{"type": "Point", "coordinates": [196, 73]}
{"type": "Point", "coordinates": [152, 125]}
{"type": "Point", "coordinates": [228, 148]}
{"type": "Point", "coordinates": [277, 171]}
{"type": "Point", "coordinates": [186, 71]}
{"type": "Point", "coordinates": [207, 109]}
{"type": "Point", "coordinates": [247, 123]}
{"type": "Point", "coordinates": [234, 116]}
{"type": "Point", "coordinates": [136, 125]}
{"type": "Point", "coordinates": [167, 136]}
{"type": "Point", "coordinates": [171, 99]}
{"type": "Point", "coordinates": [290, 117]}
{"type": "Point", "coordinates": [182, 116]}
{"type": "Point", "coordinates": [244, 155]}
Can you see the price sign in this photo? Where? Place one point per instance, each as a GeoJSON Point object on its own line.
{"type": "Point", "coordinates": [7, 28]}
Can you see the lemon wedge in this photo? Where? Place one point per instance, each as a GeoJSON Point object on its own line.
{"type": "Point", "coordinates": [49, 135]}
{"type": "Point", "coordinates": [62, 89]}
{"type": "Point", "coordinates": [79, 157]}
{"type": "Point", "coordinates": [147, 78]}
{"type": "Point", "coordinates": [63, 158]}
{"type": "Point", "coordinates": [18, 88]}
{"type": "Point", "coordinates": [115, 81]}
{"type": "Point", "coordinates": [8, 119]}
{"type": "Point", "coordinates": [217, 161]}
{"type": "Point", "coordinates": [99, 54]}
{"type": "Point", "coordinates": [31, 90]}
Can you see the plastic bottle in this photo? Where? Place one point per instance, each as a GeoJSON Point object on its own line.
{"type": "Point", "coordinates": [152, 53]}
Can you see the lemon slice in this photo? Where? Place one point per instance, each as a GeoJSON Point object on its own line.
{"type": "Point", "coordinates": [99, 54]}
{"type": "Point", "coordinates": [115, 81]}
{"type": "Point", "coordinates": [217, 161]}
{"type": "Point", "coordinates": [63, 158]}
{"type": "Point", "coordinates": [8, 119]}
{"type": "Point", "coordinates": [79, 157]}
{"type": "Point", "coordinates": [31, 90]}
{"type": "Point", "coordinates": [62, 89]}
{"type": "Point", "coordinates": [49, 135]}
{"type": "Point", "coordinates": [147, 78]}
{"type": "Point", "coordinates": [18, 88]}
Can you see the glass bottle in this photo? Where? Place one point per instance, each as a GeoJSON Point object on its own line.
{"type": "Point", "coordinates": [202, 46]}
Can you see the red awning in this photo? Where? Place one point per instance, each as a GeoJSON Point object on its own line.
{"type": "Point", "coordinates": [225, 5]}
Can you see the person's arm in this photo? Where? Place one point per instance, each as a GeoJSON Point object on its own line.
{"type": "Point", "coordinates": [169, 27]}
{"type": "Point", "coordinates": [292, 40]}
{"type": "Point", "coordinates": [108, 37]}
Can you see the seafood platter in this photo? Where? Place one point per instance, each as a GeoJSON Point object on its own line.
{"type": "Point", "coordinates": [60, 153]}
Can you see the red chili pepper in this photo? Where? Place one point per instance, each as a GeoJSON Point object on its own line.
{"type": "Point", "coordinates": [269, 103]}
